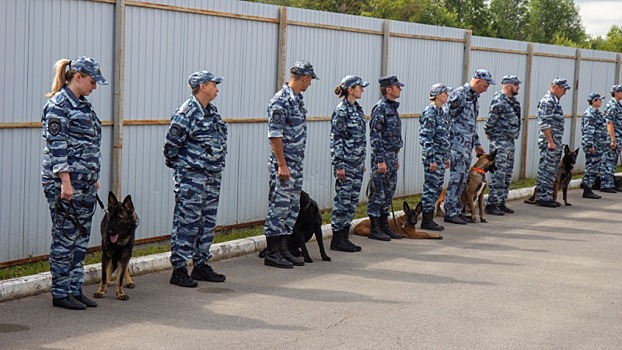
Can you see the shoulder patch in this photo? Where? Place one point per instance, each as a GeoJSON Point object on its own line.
{"type": "Point", "coordinates": [175, 130]}
{"type": "Point", "coordinates": [340, 126]}
{"type": "Point", "coordinates": [277, 116]}
{"type": "Point", "coordinates": [54, 126]}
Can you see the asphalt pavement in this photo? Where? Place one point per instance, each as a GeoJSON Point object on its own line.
{"type": "Point", "coordinates": [541, 278]}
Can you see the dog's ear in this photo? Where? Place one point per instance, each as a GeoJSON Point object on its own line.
{"type": "Point", "coordinates": [577, 150]}
{"type": "Point", "coordinates": [112, 200]}
{"type": "Point", "coordinates": [128, 204]}
{"type": "Point", "coordinates": [566, 149]}
{"type": "Point", "coordinates": [419, 208]}
{"type": "Point", "coordinates": [406, 207]}
{"type": "Point", "coordinates": [493, 154]}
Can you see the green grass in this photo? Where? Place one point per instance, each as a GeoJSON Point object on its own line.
{"type": "Point", "coordinates": [227, 235]}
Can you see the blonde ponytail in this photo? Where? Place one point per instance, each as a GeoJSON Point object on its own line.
{"type": "Point", "coordinates": [61, 77]}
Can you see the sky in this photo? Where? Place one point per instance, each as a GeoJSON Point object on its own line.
{"type": "Point", "coordinates": [599, 15]}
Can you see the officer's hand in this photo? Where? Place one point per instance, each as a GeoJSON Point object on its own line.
{"type": "Point", "coordinates": [613, 144]}
{"type": "Point", "coordinates": [551, 146]}
{"type": "Point", "coordinates": [341, 174]}
{"type": "Point", "coordinates": [66, 191]}
{"type": "Point", "coordinates": [591, 150]}
{"type": "Point", "coordinates": [97, 186]}
{"type": "Point", "coordinates": [283, 172]}
{"type": "Point", "coordinates": [479, 150]}
{"type": "Point", "coordinates": [433, 166]}
{"type": "Point", "coordinates": [364, 169]}
{"type": "Point", "coordinates": [448, 163]}
{"type": "Point", "coordinates": [382, 168]}
{"type": "Point", "coordinates": [398, 165]}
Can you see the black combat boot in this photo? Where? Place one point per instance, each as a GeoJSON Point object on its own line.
{"type": "Point", "coordinates": [427, 223]}
{"type": "Point", "coordinates": [273, 255]}
{"type": "Point", "coordinates": [588, 193]}
{"type": "Point", "coordinates": [338, 242]}
{"type": "Point", "coordinates": [344, 236]}
{"type": "Point", "coordinates": [180, 277]}
{"type": "Point", "coordinates": [384, 226]}
{"type": "Point", "coordinates": [376, 232]}
{"type": "Point", "coordinates": [68, 302]}
{"type": "Point", "coordinates": [296, 261]}
{"type": "Point", "coordinates": [493, 210]}
{"type": "Point", "coordinates": [506, 209]}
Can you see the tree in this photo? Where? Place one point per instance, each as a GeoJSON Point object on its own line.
{"type": "Point", "coordinates": [548, 18]}
{"type": "Point", "coordinates": [509, 19]}
{"type": "Point", "coordinates": [472, 14]}
{"type": "Point", "coordinates": [613, 40]}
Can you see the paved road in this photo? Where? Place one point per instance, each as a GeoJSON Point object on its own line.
{"type": "Point", "coordinates": [539, 279]}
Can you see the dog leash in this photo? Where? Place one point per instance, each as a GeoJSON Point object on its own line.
{"type": "Point", "coordinates": [60, 208]}
{"type": "Point", "coordinates": [101, 204]}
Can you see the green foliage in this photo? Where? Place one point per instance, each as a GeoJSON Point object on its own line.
{"type": "Point", "coordinates": [612, 42]}
{"type": "Point", "coordinates": [551, 19]}
{"type": "Point", "coordinates": [509, 19]}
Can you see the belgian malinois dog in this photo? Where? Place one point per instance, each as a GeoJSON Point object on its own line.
{"type": "Point", "coordinates": [403, 224]}
{"type": "Point", "coordinates": [476, 185]}
{"type": "Point", "coordinates": [118, 230]}
{"type": "Point", "coordinates": [564, 175]}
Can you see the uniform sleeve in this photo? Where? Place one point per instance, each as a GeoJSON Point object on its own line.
{"type": "Point", "coordinates": [55, 130]}
{"type": "Point", "coordinates": [545, 114]}
{"type": "Point", "coordinates": [496, 109]}
{"type": "Point", "coordinates": [427, 130]}
{"type": "Point", "coordinates": [339, 135]}
{"type": "Point", "coordinates": [176, 138]}
{"type": "Point", "coordinates": [588, 129]}
{"type": "Point", "coordinates": [277, 120]}
{"type": "Point", "coordinates": [376, 131]}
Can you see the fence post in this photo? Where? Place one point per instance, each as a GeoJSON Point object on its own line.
{"type": "Point", "coordinates": [616, 80]}
{"type": "Point", "coordinates": [385, 47]}
{"type": "Point", "coordinates": [282, 55]}
{"type": "Point", "coordinates": [467, 56]}
{"type": "Point", "coordinates": [525, 116]}
{"type": "Point", "coordinates": [575, 98]}
{"type": "Point", "coordinates": [119, 78]}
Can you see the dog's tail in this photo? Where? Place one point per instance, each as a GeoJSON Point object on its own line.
{"type": "Point", "coordinates": [262, 254]}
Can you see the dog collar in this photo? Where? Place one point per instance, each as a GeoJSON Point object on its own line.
{"type": "Point", "coordinates": [481, 171]}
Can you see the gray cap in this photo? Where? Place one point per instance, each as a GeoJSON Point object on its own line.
{"type": "Point", "coordinates": [561, 82]}
{"type": "Point", "coordinates": [303, 68]}
{"type": "Point", "coordinates": [510, 79]}
{"type": "Point", "coordinates": [616, 88]}
{"type": "Point", "coordinates": [484, 75]}
{"type": "Point", "coordinates": [90, 67]}
{"type": "Point", "coordinates": [389, 80]}
{"type": "Point", "coordinates": [594, 96]}
{"type": "Point", "coordinates": [202, 77]}
{"type": "Point", "coordinates": [438, 89]}
{"type": "Point", "coordinates": [352, 80]}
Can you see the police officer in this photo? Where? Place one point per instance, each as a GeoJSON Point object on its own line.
{"type": "Point", "coordinates": [502, 127]}
{"type": "Point", "coordinates": [593, 142]}
{"type": "Point", "coordinates": [435, 146]}
{"type": "Point", "coordinates": [551, 122]}
{"type": "Point", "coordinates": [463, 109]}
{"type": "Point", "coordinates": [386, 141]}
{"type": "Point", "coordinates": [195, 148]}
{"type": "Point", "coordinates": [613, 116]}
{"type": "Point", "coordinates": [347, 149]}
{"type": "Point", "coordinates": [287, 131]}
{"type": "Point", "coordinates": [70, 174]}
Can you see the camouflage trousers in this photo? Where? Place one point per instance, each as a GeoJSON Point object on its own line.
{"type": "Point", "coordinates": [71, 231]}
{"type": "Point", "coordinates": [592, 167]}
{"type": "Point", "coordinates": [500, 180]}
{"type": "Point", "coordinates": [283, 200]}
{"type": "Point", "coordinates": [608, 167]}
{"type": "Point", "coordinates": [547, 172]}
{"type": "Point", "coordinates": [384, 185]}
{"type": "Point", "coordinates": [194, 218]}
{"type": "Point", "coordinates": [432, 186]}
{"type": "Point", "coordinates": [459, 172]}
{"type": "Point", "coordinates": [347, 194]}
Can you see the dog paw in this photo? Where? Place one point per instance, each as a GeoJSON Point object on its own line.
{"type": "Point", "coordinates": [484, 220]}
{"type": "Point", "coordinates": [130, 285]}
{"type": "Point", "coordinates": [99, 295]}
{"type": "Point", "coordinates": [123, 296]}
{"type": "Point", "coordinates": [568, 204]}
{"type": "Point", "coordinates": [326, 258]}
{"type": "Point", "coordinates": [308, 260]}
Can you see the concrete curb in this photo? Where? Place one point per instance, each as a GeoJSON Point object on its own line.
{"type": "Point", "coordinates": [40, 283]}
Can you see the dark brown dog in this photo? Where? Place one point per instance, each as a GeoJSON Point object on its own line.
{"type": "Point", "coordinates": [118, 230]}
{"type": "Point", "coordinates": [564, 175]}
{"type": "Point", "coordinates": [403, 224]}
{"type": "Point", "coordinates": [476, 185]}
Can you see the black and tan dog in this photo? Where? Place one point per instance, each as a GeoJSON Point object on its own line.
{"type": "Point", "coordinates": [564, 175]}
{"type": "Point", "coordinates": [118, 230]}
{"type": "Point", "coordinates": [476, 185]}
{"type": "Point", "coordinates": [403, 224]}
{"type": "Point", "coordinates": [308, 223]}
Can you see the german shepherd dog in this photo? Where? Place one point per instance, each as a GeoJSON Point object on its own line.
{"type": "Point", "coordinates": [308, 223]}
{"type": "Point", "coordinates": [118, 231]}
{"type": "Point", "coordinates": [403, 224]}
{"type": "Point", "coordinates": [564, 175]}
{"type": "Point", "coordinates": [476, 185]}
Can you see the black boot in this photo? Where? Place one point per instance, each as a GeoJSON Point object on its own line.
{"type": "Point", "coordinates": [338, 243]}
{"type": "Point", "coordinates": [384, 226]}
{"type": "Point", "coordinates": [427, 223]}
{"type": "Point", "coordinates": [375, 231]}
{"type": "Point", "coordinates": [588, 193]}
{"type": "Point", "coordinates": [180, 277]}
{"type": "Point", "coordinates": [296, 261]}
{"type": "Point", "coordinates": [344, 237]}
{"type": "Point", "coordinates": [493, 210]}
{"type": "Point", "coordinates": [273, 255]}
{"type": "Point", "coordinates": [68, 302]}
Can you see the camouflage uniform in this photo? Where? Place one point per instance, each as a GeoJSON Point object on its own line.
{"type": "Point", "coordinates": [72, 132]}
{"type": "Point", "coordinates": [502, 127]}
{"type": "Point", "coordinates": [286, 120]}
{"type": "Point", "coordinates": [434, 139]}
{"type": "Point", "coordinates": [386, 141]}
{"type": "Point", "coordinates": [550, 116]}
{"type": "Point", "coordinates": [613, 114]}
{"type": "Point", "coordinates": [195, 147]}
{"type": "Point", "coordinates": [594, 134]}
{"type": "Point", "coordinates": [347, 150]}
{"type": "Point", "coordinates": [462, 108]}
